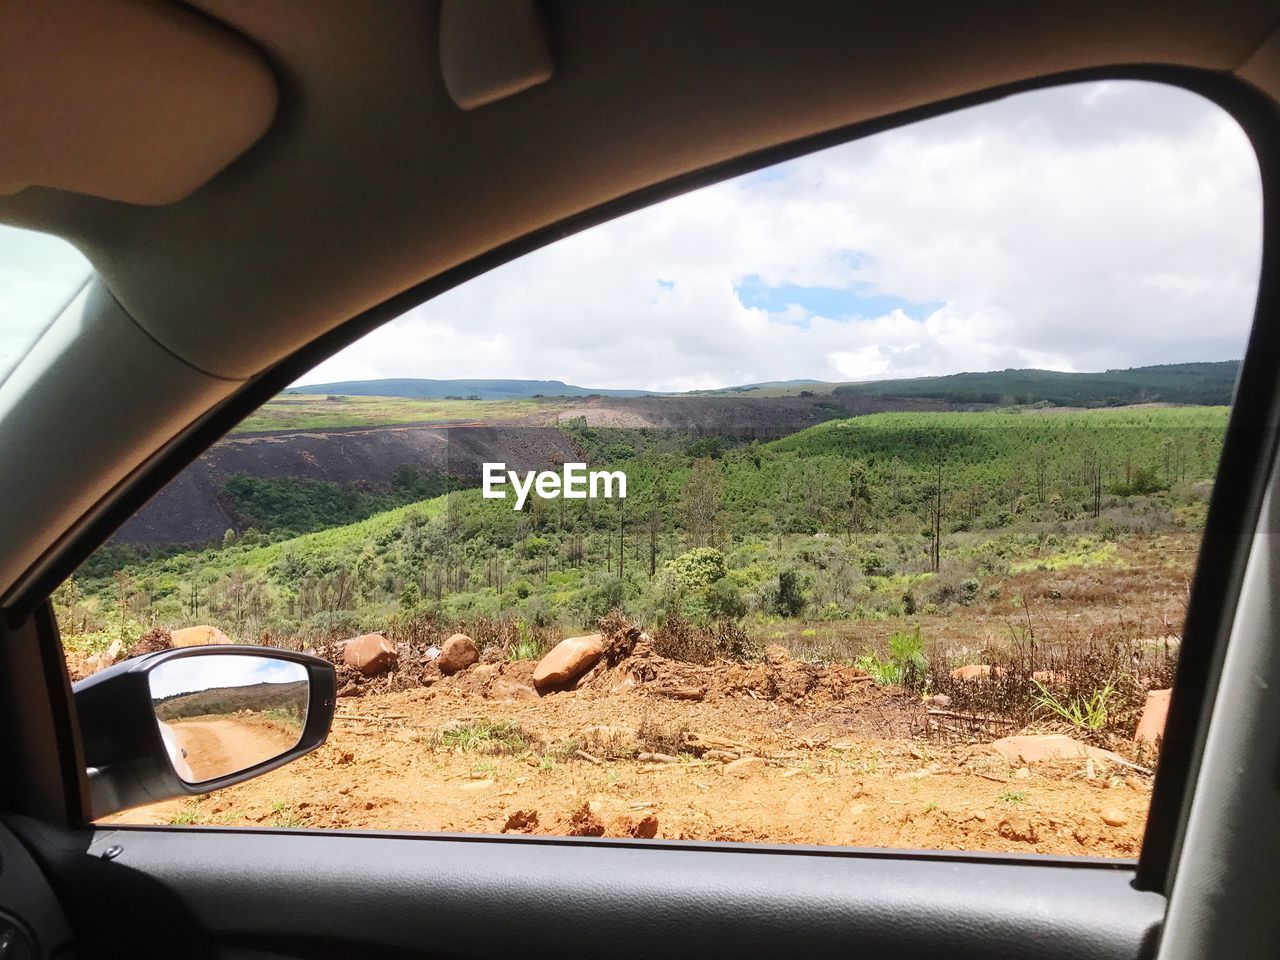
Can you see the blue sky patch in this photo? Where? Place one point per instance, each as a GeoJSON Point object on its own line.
{"type": "Point", "coordinates": [857, 302]}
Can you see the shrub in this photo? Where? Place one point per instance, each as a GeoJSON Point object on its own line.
{"type": "Point", "coordinates": [789, 601]}
{"type": "Point", "coordinates": [905, 665]}
{"type": "Point", "coordinates": [698, 569]}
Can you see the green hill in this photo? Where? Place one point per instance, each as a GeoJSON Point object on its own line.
{"type": "Point", "coordinates": [839, 518]}
{"type": "Point", "coordinates": [1210, 384]}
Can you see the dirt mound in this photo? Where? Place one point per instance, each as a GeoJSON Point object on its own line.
{"type": "Point", "coordinates": [629, 662]}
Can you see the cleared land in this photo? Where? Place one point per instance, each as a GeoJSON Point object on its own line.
{"type": "Point", "coordinates": [789, 751]}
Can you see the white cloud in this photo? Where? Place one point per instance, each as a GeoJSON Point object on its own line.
{"type": "Point", "coordinates": [1085, 227]}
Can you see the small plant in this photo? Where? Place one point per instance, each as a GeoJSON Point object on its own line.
{"type": "Point", "coordinates": [480, 736]}
{"type": "Point", "coordinates": [1013, 796]}
{"type": "Point", "coordinates": [526, 648]}
{"type": "Point", "coordinates": [563, 750]}
{"type": "Point", "coordinates": [905, 664]}
{"type": "Point", "coordinates": [285, 817]}
{"type": "Point", "coordinates": [1088, 713]}
{"type": "Point", "coordinates": [185, 816]}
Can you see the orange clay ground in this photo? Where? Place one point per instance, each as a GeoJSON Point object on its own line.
{"type": "Point", "coordinates": [778, 752]}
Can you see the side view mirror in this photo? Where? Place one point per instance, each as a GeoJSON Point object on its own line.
{"type": "Point", "coordinates": [183, 722]}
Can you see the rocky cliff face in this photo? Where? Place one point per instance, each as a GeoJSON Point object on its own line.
{"type": "Point", "coordinates": [188, 510]}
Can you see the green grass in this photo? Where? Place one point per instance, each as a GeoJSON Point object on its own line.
{"type": "Point", "coordinates": [1086, 712]}
{"type": "Point", "coordinates": [488, 737]}
{"type": "Point", "coordinates": [307, 412]}
{"type": "Point", "coordinates": [284, 816]}
{"type": "Point", "coordinates": [1013, 796]}
{"type": "Point", "coordinates": [1085, 552]}
{"type": "Point", "coordinates": [184, 817]}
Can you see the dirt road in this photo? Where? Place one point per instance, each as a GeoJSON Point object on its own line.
{"type": "Point", "coordinates": [217, 746]}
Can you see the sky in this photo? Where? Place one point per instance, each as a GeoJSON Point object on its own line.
{"type": "Point", "coordinates": [38, 275]}
{"type": "Point", "coordinates": [1085, 227]}
{"type": "Point", "coordinates": [186, 674]}
{"type": "Point", "coordinates": [1081, 228]}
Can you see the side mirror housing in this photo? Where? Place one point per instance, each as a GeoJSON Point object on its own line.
{"type": "Point", "coordinates": [179, 723]}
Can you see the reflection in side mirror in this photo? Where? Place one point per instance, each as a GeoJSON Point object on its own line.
{"type": "Point", "coordinates": [176, 723]}
{"type": "Point", "coordinates": [220, 716]}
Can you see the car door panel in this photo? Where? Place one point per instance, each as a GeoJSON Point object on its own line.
{"type": "Point", "coordinates": [300, 894]}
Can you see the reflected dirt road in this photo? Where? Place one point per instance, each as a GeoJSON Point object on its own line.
{"type": "Point", "coordinates": [217, 746]}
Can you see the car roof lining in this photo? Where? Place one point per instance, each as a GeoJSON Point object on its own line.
{"type": "Point", "coordinates": [137, 101]}
{"type": "Point", "coordinates": [373, 179]}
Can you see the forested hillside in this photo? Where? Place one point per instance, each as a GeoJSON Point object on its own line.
{"type": "Point", "coordinates": [1190, 383]}
{"type": "Point", "coordinates": [858, 518]}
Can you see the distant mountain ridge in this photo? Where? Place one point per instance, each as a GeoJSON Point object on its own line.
{"type": "Point", "coordinates": [424, 389]}
{"type": "Point", "coordinates": [1209, 384]}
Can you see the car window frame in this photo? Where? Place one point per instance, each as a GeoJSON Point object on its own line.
{"type": "Point", "coordinates": [1248, 453]}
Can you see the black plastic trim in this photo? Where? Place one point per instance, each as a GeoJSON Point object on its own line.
{"type": "Point", "coordinates": [121, 739]}
{"type": "Point", "coordinates": [1248, 453]}
{"type": "Point", "coordinates": [400, 896]}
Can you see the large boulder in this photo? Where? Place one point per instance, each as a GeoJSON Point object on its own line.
{"type": "Point", "coordinates": [370, 653]}
{"type": "Point", "coordinates": [457, 653]}
{"type": "Point", "coordinates": [976, 671]}
{"type": "Point", "coordinates": [201, 636]}
{"type": "Point", "coordinates": [567, 661]}
{"type": "Point", "coordinates": [1154, 712]}
{"type": "Point", "coordinates": [1036, 748]}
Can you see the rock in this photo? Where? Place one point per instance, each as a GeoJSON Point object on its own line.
{"type": "Point", "coordinates": [1114, 817]}
{"type": "Point", "coordinates": [1022, 773]}
{"type": "Point", "coordinates": [742, 767]}
{"type": "Point", "coordinates": [432, 652]}
{"type": "Point", "coordinates": [522, 821]}
{"type": "Point", "coordinates": [775, 655]}
{"type": "Point", "coordinates": [1053, 746]}
{"type": "Point", "coordinates": [940, 700]}
{"type": "Point", "coordinates": [458, 653]}
{"type": "Point", "coordinates": [504, 688]}
{"type": "Point", "coordinates": [1154, 712]}
{"type": "Point", "coordinates": [201, 636]}
{"type": "Point", "coordinates": [583, 822]}
{"type": "Point", "coordinates": [646, 829]}
{"type": "Point", "coordinates": [976, 671]}
{"type": "Point", "coordinates": [1049, 676]}
{"type": "Point", "coordinates": [567, 661]}
{"type": "Point", "coordinates": [100, 661]}
{"type": "Point", "coordinates": [370, 653]}
{"type": "Point", "coordinates": [1022, 829]}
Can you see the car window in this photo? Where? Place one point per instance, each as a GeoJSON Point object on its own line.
{"type": "Point", "coordinates": [852, 501]}
{"type": "Point", "coordinates": [38, 276]}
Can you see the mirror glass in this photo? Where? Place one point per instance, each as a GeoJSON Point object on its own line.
{"type": "Point", "coordinates": [223, 713]}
